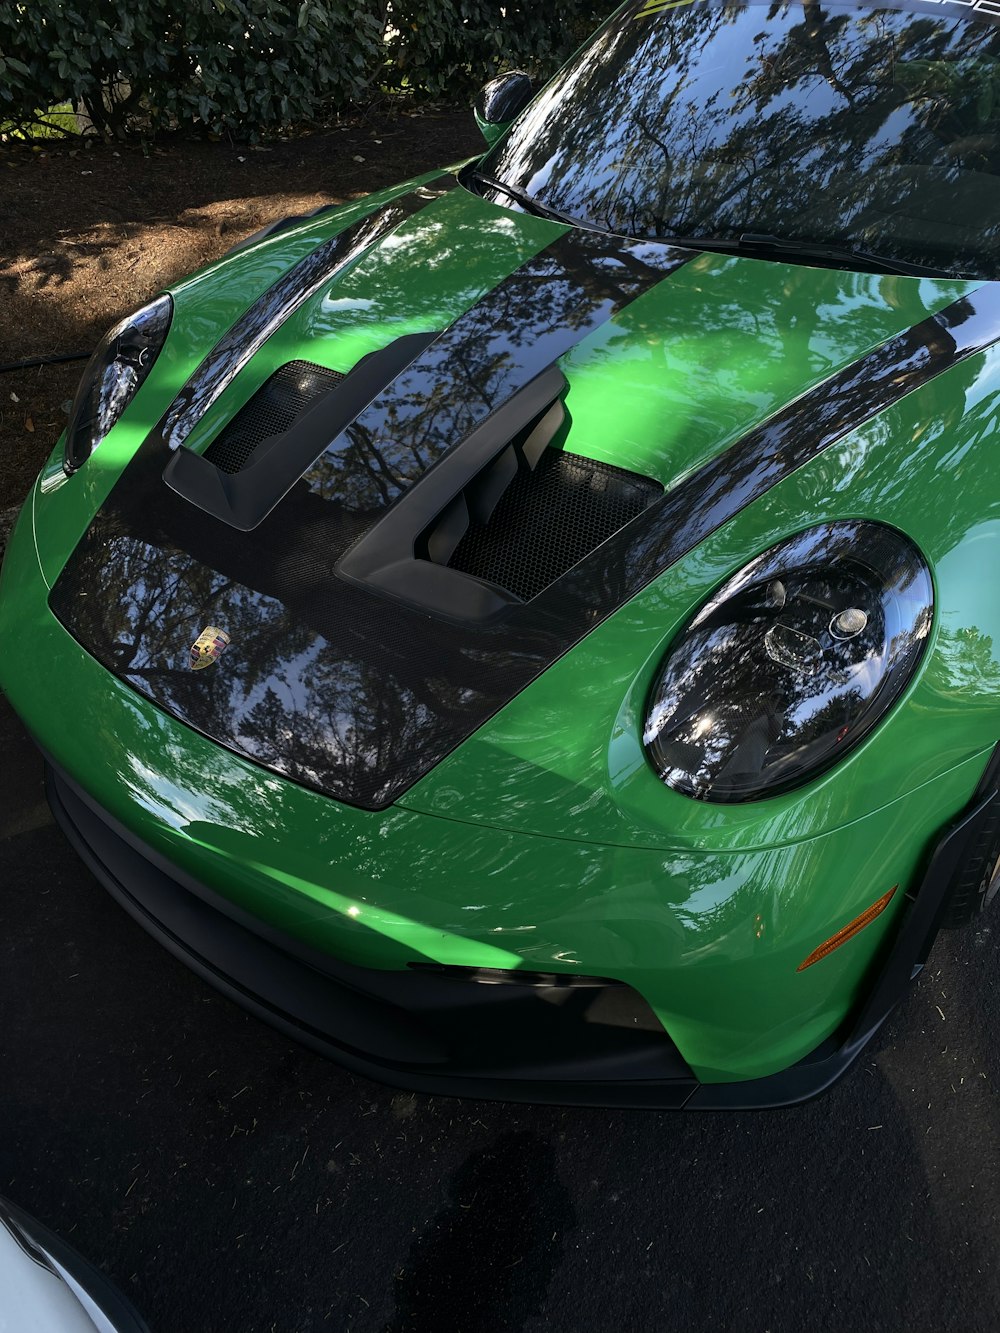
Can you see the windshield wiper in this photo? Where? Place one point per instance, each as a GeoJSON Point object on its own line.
{"type": "Point", "coordinates": [838, 254]}
{"type": "Point", "coordinates": [527, 201]}
{"type": "Point", "coordinates": [749, 242]}
{"type": "Point", "coordinates": [753, 242]}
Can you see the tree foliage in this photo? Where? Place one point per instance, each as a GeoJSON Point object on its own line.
{"type": "Point", "coordinates": [445, 46]}
{"type": "Point", "coordinates": [249, 67]}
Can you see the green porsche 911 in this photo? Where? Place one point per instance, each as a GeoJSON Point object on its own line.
{"type": "Point", "coordinates": [531, 632]}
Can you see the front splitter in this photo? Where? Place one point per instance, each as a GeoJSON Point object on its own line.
{"type": "Point", "coordinates": [436, 1035]}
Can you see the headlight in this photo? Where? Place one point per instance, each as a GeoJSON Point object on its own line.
{"type": "Point", "coordinates": [790, 664]}
{"type": "Point", "coordinates": [123, 359]}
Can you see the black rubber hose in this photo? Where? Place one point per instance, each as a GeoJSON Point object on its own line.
{"type": "Point", "coordinates": [44, 361]}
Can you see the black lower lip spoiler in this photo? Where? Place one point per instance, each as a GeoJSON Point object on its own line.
{"type": "Point", "coordinates": [360, 1017]}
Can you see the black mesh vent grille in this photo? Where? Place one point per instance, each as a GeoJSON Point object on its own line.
{"type": "Point", "coordinates": [271, 411]}
{"type": "Point", "coordinates": [549, 519]}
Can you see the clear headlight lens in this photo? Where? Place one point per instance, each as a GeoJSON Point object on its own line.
{"type": "Point", "coordinates": [790, 664]}
{"type": "Point", "coordinates": [123, 359]}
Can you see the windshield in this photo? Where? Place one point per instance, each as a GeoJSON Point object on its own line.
{"type": "Point", "coordinates": [869, 128]}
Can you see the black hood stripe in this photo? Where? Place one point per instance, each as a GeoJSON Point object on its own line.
{"type": "Point", "coordinates": [247, 336]}
{"type": "Point", "coordinates": [434, 398]}
{"type": "Point", "coordinates": [717, 492]}
{"type": "Point", "coordinates": [484, 359]}
{"type": "Point", "coordinates": [328, 683]}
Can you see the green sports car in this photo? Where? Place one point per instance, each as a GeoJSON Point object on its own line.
{"type": "Point", "coordinates": [532, 632]}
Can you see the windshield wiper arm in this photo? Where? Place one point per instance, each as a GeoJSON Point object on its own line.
{"type": "Point", "coordinates": [748, 242]}
{"type": "Point", "coordinates": [781, 245]}
{"type": "Point", "coordinates": [753, 241]}
{"type": "Point", "coordinates": [527, 201]}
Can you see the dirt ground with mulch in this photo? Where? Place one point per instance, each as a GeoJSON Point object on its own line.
{"type": "Point", "coordinates": [87, 234]}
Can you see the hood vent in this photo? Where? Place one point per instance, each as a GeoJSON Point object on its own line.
{"type": "Point", "coordinates": [275, 464]}
{"type": "Point", "coordinates": [271, 411]}
{"type": "Point", "coordinates": [501, 516]}
{"type": "Point", "coordinates": [548, 520]}
{"type": "Point", "coordinates": [531, 515]}
{"type": "Point", "coordinates": [359, 655]}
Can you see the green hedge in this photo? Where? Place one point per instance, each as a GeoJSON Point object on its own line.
{"type": "Point", "coordinates": [249, 67]}
{"type": "Point", "coordinates": [445, 47]}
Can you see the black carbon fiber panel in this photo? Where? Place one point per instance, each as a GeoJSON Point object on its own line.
{"type": "Point", "coordinates": [549, 519]}
{"type": "Point", "coordinates": [272, 409]}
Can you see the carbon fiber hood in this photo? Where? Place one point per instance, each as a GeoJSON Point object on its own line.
{"type": "Point", "coordinates": [359, 653]}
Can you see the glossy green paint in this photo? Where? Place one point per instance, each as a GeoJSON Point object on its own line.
{"type": "Point", "coordinates": [492, 131]}
{"type": "Point", "coordinates": [433, 280]}
{"type": "Point", "coordinates": [702, 358]}
{"type": "Point", "coordinates": [925, 466]}
{"type": "Point", "coordinates": [712, 939]}
{"type": "Point", "coordinates": [545, 841]}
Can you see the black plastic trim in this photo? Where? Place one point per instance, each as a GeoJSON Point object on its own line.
{"type": "Point", "coordinates": [280, 401]}
{"type": "Point", "coordinates": [378, 1015]}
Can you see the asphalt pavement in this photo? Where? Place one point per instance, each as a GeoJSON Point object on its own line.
{"type": "Point", "coordinates": [232, 1182]}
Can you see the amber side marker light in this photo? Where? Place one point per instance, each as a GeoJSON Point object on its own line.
{"type": "Point", "coordinates": [849, 931]}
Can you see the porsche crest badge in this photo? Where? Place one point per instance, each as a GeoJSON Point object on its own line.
{"type": "Point", "coordinates": [209, 646]}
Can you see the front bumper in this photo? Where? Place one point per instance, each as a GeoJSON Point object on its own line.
{"type": "Point", "coordinates": [442, 1031]}
{"type": "Point", "coordinates": [347, 905]}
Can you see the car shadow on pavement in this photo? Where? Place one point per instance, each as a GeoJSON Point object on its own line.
{"type": "Point", "coordinates": [487, 1259]}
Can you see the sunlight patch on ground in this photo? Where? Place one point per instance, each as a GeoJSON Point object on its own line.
{"type": "Point", "coordinates": [79, 282]}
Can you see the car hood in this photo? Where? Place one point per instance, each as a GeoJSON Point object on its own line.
{"type": "Point", "coordinates": [443, 443]}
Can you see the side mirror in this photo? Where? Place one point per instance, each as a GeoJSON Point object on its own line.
{"type": "Point", "coordinates": [501, 102]}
